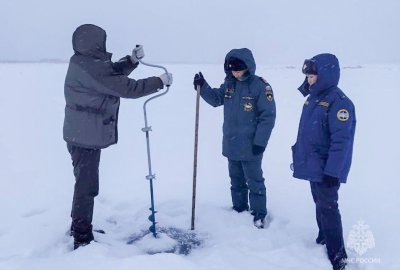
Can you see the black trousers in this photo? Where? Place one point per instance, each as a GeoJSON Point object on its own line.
{"type": "Point", "coordinates": [329, 219]}
{"type": "Point", "coordinates": [86, 171]}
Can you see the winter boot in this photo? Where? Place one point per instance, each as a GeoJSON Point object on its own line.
{"type": "Point", "coordinates": [82, 237]}
{"type": "Point", "coordinates": [240, 209]}
{"type": "Point", "coordinates": [78, 243]}
{"type": "Point", "coordinates": [340, 265]}
{"type": "Point", "coordinates": [259, 223]}
{"type": "Point", "coordinates": [83, 240]}
{"type": "Point", "coordinates": [320, 240]}
{"type": "Point", "coordinates": [259, 220]}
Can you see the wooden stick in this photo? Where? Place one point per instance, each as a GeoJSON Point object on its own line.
{"type": "Point", "coordinates": [196, 138]}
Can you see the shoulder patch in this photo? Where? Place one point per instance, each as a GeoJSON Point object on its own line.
{"type": "Point", "coordinates": [269, 93]}
{"type": "Point", "coordinates": [343, 115]}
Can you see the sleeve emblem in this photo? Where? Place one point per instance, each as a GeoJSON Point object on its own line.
{"type": "Point", "coordinates": [343, 115]}
{"type": "Point", "coordinates": [269, 93]}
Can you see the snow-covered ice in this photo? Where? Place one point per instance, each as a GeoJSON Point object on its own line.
{"type": "Point", "coordinates": [36, 180]}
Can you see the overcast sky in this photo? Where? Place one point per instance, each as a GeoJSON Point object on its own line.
{"type": "Point", "coordinates": [203, 31]}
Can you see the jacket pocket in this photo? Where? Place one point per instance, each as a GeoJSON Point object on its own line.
{"type": "Point", "coordinates": [296, 159]}
{"type": "Point", "coordinates": [316, 164]}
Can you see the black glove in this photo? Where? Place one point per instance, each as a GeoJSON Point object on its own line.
{"type": "Point", "coordinates": [330, 181]}
{"type": "Point", "coordinates": [257, 150]}
{"type": "Point", "coordinates": [198, 80]}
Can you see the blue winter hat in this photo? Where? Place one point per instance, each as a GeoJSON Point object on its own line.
{"type": "Point", "coordinates": [235, 64]}
{"type": "Point", "coordinates": [310, 67]}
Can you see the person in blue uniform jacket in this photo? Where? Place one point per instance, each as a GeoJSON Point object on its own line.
{"type": "Point", "coordinates": [249, 117]}
{"type": "Point", "coordinates": [323, 150]}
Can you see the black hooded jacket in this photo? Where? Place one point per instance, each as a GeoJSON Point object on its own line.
{"type": "Point", "coordinates": [93, 88]}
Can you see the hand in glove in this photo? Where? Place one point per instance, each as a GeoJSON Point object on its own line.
{"type": "Point", "coordinates": [166, 78]}
{"type": "Point", "coordinates": [198, 80]}
{"type": "Point", "coordinates": [137, 53]}
{"type": "Point", "coordinates": [257, 150]}
{"type": "Point", "coordinates": [330, 181]}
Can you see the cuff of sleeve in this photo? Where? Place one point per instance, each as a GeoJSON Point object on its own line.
{"type": "Point", "coordinates": [331, 174]}
{"type": "Point", "coordinates": [257, 143]}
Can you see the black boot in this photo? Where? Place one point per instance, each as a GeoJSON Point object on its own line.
{"type": "Point", "coordinates": [83, 240]}
{"type": "Point", "coordinates": [320, 239]}
{"type": "Point", "coordinates": [240, 209]}
{"type": "Point", "coordinates": [82, 237]}
{"type": "Point", "coordinates": [340, 264]}
{"type": "Point", "coordinates": [259, 223]}
{"type": "Point", "coordinates": [78, 243]}
{"type": "Point", "coordinates": [258, 220]}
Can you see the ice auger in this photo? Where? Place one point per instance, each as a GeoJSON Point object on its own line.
{"type": "Point", "coordinates": [147, 129]}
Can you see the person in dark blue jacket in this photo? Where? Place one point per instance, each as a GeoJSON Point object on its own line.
{"type": "Point", "coordinates": [249, 117]}
{"type": "Point", "coordinates": [323, 150]}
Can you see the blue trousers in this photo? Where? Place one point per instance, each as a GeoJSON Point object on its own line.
{"type": "Point", "coordinates": [247, 183]}
{"type": "Point", "coordinates": [329, 220]}
{"type": "Point", "coordinates": [86, 172]}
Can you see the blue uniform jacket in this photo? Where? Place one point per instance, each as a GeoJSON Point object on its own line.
{"type": "Point", "coordinates": [249, 109]}
{"type": "Point", "coordinates": [327, 125]}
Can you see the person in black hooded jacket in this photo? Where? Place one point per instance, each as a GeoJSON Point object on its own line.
{"type": "Point", "coordinates": [93, 88]}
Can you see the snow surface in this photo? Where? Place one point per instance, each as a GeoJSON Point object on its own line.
{"type": "Point", "coordinates": [36, 177]}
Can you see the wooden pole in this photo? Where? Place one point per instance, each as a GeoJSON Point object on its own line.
{"type": "Point", "coordinates": [196, 138]}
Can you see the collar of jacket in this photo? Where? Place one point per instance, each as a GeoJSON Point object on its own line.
{"type": "Point", "coordinates": [104, 56]}
{"type": "Point", "coordinates": [245, 77]}
{"type": "Point", "coordinates": [322, 95]}
{"type": "Point", "coordinates": [304, 88]}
